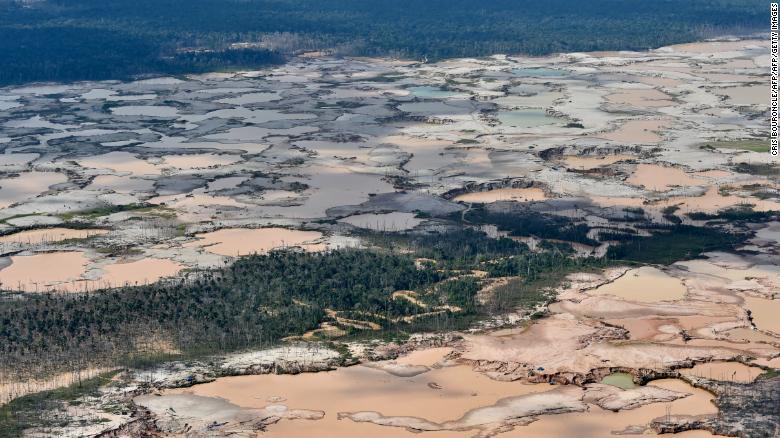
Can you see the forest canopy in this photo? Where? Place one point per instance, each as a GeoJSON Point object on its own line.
{"type": "Point", "coordinates": [66, 40]}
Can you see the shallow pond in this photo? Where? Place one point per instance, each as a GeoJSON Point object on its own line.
{"type": "Point", "coordinates": [526, 118]}
{"type": "Point", "coordinates": [395, 221]}
{"type": "Point", "coordinates": [440, 394]}
{"type": "Point", "coordinates": [506, 194]}
{"type": "Point", "coordinates": [765, 313]}
{"type": "Point", "coordinates": [621, 380]}
{"type": "Point", "coordinates": [539, 72]}
{"type": "Point", "coordinates": [724, 371]}
{"type": "Point", "coordinates": [601, 423]}
{"type": "Point", "coordinates": [59, 271]}
{"type": "Point", "coordinates": [645, 284]}
{"type": "Point", "coordinates": [49, 235]}
{"type": "Point", "coordinates": [27, 185]}
{"type": "Point", "coordinates": [243, 241]}
{"type": "Point", "coordinates": [144, 271]}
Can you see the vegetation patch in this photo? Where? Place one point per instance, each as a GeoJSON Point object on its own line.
{"type": "Point", "coordinates": [671, 243]}
{"type": "Point", "coordinates": [31, 410]}
{"type": "Point", "coordinates": [97, 212]}
{"type": "Point", "coordinates": [530, 223]}
{"type": "Point", "coordinates": [753, 145]}
{"type": "Point", "coordinates": [736, 214]}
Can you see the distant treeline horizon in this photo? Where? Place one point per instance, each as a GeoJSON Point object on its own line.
{"type": "Point", "coordinates": [69, 40]}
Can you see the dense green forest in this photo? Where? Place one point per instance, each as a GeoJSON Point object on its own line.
{"type": "Point", "coordinates": [65, 40]}
{"type": "Point", "coordinates": [531, 223]}
{"type": "Point", "coordinates": [255, 301]}
{"type": "Point", "coordinates": [259, 300]}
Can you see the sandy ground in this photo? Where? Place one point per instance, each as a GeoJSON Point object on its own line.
{"type": "Point", "coordinates": [192, 172]}
{"type": "Point", "coordinates": [254, 149]}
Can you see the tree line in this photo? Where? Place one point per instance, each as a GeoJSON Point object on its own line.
{"type": "Point", "coordinates": [66, 40]}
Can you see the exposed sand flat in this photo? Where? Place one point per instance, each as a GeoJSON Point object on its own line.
{"type": "Point", "coordinates": [144, 271]}
{"type": "Point", "coordinates": [14, 160]}
{"type": "Point", "coordinates": [520, 410]}
{"type": "Point", "coordinates": [724, 371]}
{"type": "Point", "coordinates": [408, 295]}
{"type": "Point", "coordinates": [645, 284]}
{"type": "Point", "coordinates": [737, 64]}
{"type": "Point", "coordinates": [242, 241]}
{"type": "Point", "coordinates": [715, 174]}
{"type": "Point", "coordinates": [458, 390]}
{"type": "Point", "coordinates": [715, 330]}
{"type": "Point", "coordinates": [12, 390]}
{"type": "Point", "coordinates": [640, 98]}
{"type": "Point", "coordinates": [49, 235]}
{"type": "Point", "coordinates": [750, 335]}
{"type": "Point", "coordinates": [587, 163]}
{"type": "Point", "coordinates": [428, 357]}
{"type": "Point", "coordinates": [661, 178]}
{"type": "Point", "coordinates": [202, 415]}
{"type": "Point", "coordinates": [601, 423]}
{"type": "Point", "coordinates": [637, 131]}
{"type": "Point", "coordinates": [395, 221]}
{"type": "Point", "coordinates": [323, 139]}
{"type": "Point", "coordinates": [122, 184]}
{"type": "Point", "coordinates": [60, 271]}
{"type": "Point", "coordinates": [659, 81]}
{"type": "Point", "coordinates": [336, 140]}
{"type": "Point", "coordinates": [198, 161]}
{"type": "Point", "coordinates": [488, 420]}
{"type": "Point", "coordinates": [325, 330]}
{"type": "Point", "coordinates": [27, 185]}
{"type": "Point", "coordinates": [712, 46]}
{"type": "Point", "coordinates": [771, 363]}
{"type": "Point", "coordinates": [607, 306]}
{"type": "Point", "coordinates": [560, 345]}
{"type": "Point", "coordinates": [508, 194]}
{"type": "Point", "coordinates": [764, 312]}
{"type": "Point", "coordinates": [194, 201]}
{"type": "Point", "coordinates": [124, 162]}
{"type": "Point", "coordinates": [750, 95]}
{"type": "Point", "coordinates": [727, 78]}
{"type": "Point", "coordinates": [713, 200]}
{"type": "Point", "coordinates": [427, 155]}
{"type": "Point", "coordinates": [770, 272]}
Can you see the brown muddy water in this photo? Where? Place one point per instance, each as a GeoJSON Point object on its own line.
{"type": "Point", "coordinates": [724, 371]}
{"type": "Point", "coordinates": [602, 423]}
{"type": "Point", "coordinates": [645, 284]}
{"type": "Point", "coordinates": [662, 178]}
{"type": "Point", "coordinates": [242, 241]}
{"type": "Point", "coordinates": [144, 271]}
{"type": "Point", "coordinates": [48, 235]}
{"type": "Point", "coordinates": [27, 185]}
{"type": "Point", "coordinates": [45, 272]}
{"type": "Point", "coordinates": [519, 195]}
{"type": "Point", "coordinates": [439, 394]}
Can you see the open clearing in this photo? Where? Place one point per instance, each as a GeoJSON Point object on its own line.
{"type": "Point", "coordinates": [123, 183]}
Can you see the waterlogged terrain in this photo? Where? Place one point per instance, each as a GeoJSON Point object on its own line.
{"type": "Point", "coordinates": [583, 244]}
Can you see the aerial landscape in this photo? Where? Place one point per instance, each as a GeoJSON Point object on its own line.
{"type": "Point", "coordinates": [260, 218]}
